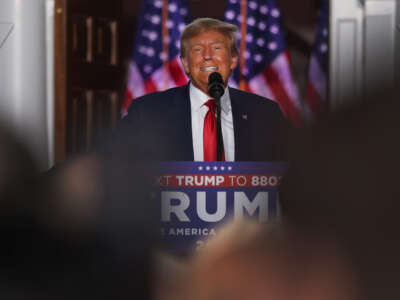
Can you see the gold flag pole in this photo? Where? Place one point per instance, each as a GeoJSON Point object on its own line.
{"type": "Point", "coordinates": [243, 34]}
{"type": "Point", "coordinates": [165, 42]}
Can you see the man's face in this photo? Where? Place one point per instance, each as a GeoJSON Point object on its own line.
{"type": "Point", "coordinates": [205, 53]}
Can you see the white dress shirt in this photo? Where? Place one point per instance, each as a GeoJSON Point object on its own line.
{"type": "Point", "coordinates": [199, 110]}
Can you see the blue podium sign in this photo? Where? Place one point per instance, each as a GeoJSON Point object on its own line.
{"type": "Point", "coordinates": [197, 197]}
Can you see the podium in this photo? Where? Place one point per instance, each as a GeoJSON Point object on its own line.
{"type": "Point", "coordinates": [196, 198]}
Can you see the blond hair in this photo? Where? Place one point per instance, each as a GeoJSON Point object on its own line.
{"type": "Point", "coordinates": [201, 25]}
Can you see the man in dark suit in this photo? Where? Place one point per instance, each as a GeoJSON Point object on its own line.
{"type": "Point", "coordinates": [169, 125]}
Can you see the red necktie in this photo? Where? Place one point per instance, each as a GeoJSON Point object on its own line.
{"type": "Point", "coordinates": [210, 133]}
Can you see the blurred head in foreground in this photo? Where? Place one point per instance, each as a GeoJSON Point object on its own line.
{"type": "Point", "coordinates": [85, 234]}
{"type": "Point", "coordinates": [343, 183]}
{"type": "Point", "coordinates": [18, 171]}
{"type": "Point", "coordinates": [247, 260]}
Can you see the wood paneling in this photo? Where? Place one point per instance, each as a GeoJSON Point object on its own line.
{"type": "Point", "coordinates": [92, 112]}
{"type": "Point", "coordinates": [89, 73]}
{"type": "Point", "coordinates": [60, 78]}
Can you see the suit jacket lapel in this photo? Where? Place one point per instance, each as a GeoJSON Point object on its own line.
{"type": "Point", "coordinates": [239, 124]}
{"type": "Point", "coordinates": [182, 119]}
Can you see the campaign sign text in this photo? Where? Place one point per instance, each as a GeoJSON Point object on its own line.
{"type": "Point", "coordinates": [197, 197]}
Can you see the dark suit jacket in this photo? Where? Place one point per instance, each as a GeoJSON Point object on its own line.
{"type": "Point", "coordinates": [158, 126]}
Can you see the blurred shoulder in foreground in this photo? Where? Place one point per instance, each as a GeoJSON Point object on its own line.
{"type": "Point", "coordinates": [270, 261]}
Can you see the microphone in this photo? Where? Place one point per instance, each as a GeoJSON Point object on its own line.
{"type": "Point", "coordinates": [216, 89]}
{"type": "Point", "coordinates": [215, 85]}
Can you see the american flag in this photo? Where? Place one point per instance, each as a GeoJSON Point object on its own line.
{"type": "Point", "coordinates": [316, 93]}
{"type": "Point", "coordinates": [264, 66]}
{"type": "Point", "coordinates": [155, 63]}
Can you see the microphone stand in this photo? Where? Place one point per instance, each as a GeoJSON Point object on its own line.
{"type": "Point", "coordinates": [216, 90]}
{"type": "Point", "coordinates": [219, 129]}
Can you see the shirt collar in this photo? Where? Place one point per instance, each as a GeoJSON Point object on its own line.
{"type": "Point", "coordinates": [198, 98]}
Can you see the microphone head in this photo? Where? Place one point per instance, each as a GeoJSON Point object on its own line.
{"type": "Point", "coordinates": [215, 77]}
{"type": "Point", "coordinates": [216, 86]}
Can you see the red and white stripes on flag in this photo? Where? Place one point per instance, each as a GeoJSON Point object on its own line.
{"type": "Point", "coordinates": [161, 79]}
{"type": "Point", "coordinates": [276, 83]}
{"type": "Point", "coordinates": [264, 66]}
{"type": "Point", "coordinates": [155, 63]}
{"type": "Point", "coordinates": [316, 93]}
